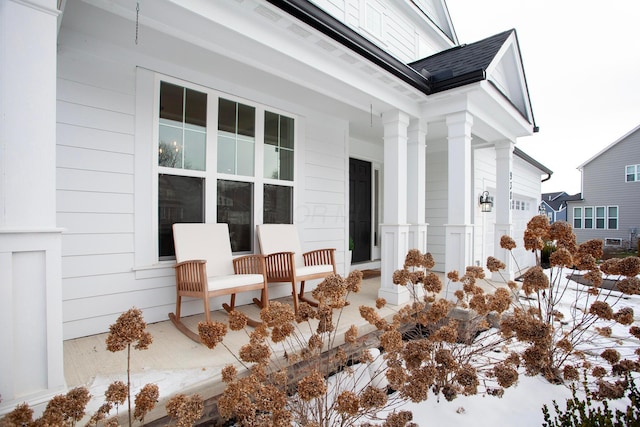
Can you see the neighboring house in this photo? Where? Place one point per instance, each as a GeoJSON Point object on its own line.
{"type": "Point", "coordinates": [610, 205]}
{"type": "Point", "coordinates": [554, 205]}
{"type": "Point", "coordinates": [358, 118]}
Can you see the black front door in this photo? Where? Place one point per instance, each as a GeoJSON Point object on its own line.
{"type": "Point", "coordinates": [360, 209]}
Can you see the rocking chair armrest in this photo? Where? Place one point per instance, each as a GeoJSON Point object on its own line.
{"type": "Point", "coordinates": [250, 264]}
{"type": "Point", "coordinates": [280, 265]}
{"type": "Point", "coordinates": [191, 276]}
{"type": "Point", "coordinates": [320, 257]}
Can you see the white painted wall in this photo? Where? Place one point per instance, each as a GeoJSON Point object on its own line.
{"type": "Point", "coordinates": [96, 181]}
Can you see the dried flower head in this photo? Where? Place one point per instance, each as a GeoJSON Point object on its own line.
{"type": "Point", "coordinates": [380, 302]}
{"type": "Point", "coordinates": [534, 280]}
{"type": "Point", "coordinates": [601, 309]}
{"type": "Point", "coordinates": [186, 410]}
{"type": "Point", "coordinates": [398, 419]}
{"type": "Point", "coordinates": [351, 335]}
{"type": "Point", "coordinates": [413, 259]}
{"type": "Point", "coordinates": [237, 320]}
{"type": "Point", "coordinates": [598, 372]}
{"type": "Point", "coordinates": [277, 314]}
{"type": "Point", "coordinates": [561, 257]}
{"type": "Point", "coordinates": [494, 264]}
{"type": "Point", "coordinates": [629, 286]}
{"type": "Point", "coordinates": [505, 374]}
{"type": "Point", "coordinates": [353, 281]}
{"type": "Point", "coordinates": [624, 316]}
{"type": "Point", "coordinates": [129, 328]}
{"type": "Point", "coordinates": [229, 373]}
{"type": "Point", "coordinates": [255, 352]}
{"type": "Point", "coordinates": [610, 266]}
{"type": "Point", "coordinates": [348, 403]}
{"type": "Point", "coordinates": [432, 283]}
{"type": "Point", "coordinates": [401, 277]}
{"type": "Point", "coordinates": [570, 373]}
{"type": "Point", "coordinates": [212, 333]}
{"type": "Point", "coordinates": [629, 266]}
{"type": "Point", "coordinates": [305, 312]}
{"type": "Point", "coordinates": [145, 401]}
{"type": "Point", "coordinates": [116, 393]}
{"type": "Point", "coordinates": [332, 291]}
{"type": "Point", "coordinates": [562, 234]}
{"type": "Point", "coordinates": [373, 397]}
{"type": "Point", "coordinates": [593, 247]}
{"type": "Point", "coordinates": [506, 242]}
{"type": "Point", "coordinates": [22, 415]}
{"type": "Point", "coordinates": [610, 355]}
{"type": "Point", "coordinates": [453, 275]}
{"type": "Point", "coordinates": [312, 386]}
{"type": "Point", "coordinates": [427, 261]}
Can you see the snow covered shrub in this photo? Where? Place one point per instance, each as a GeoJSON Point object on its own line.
{"type": "Point", "coordinates": [556, 318]}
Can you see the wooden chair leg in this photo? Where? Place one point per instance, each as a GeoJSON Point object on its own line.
{"type": "Point", "coordinates": [301, 297]}
{"type": "Point", "coordinates": [207, 311]}
{"type": "Point", "coordinates": [295, 297]}
{"type": "Point", "coordinates": [178, 303]}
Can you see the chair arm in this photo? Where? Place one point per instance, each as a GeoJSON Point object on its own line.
{"type": "Point", "coordinates": [191, 276]}
{"type": "Point", "coordinates": [280, 266]}
{"type": "Point", "coordinates": [320, 257]}
{"type": "Point", "coordinates": [249, 264]}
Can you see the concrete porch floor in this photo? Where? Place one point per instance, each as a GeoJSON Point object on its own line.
{"type": "Point", "coordinates": [177, 364]}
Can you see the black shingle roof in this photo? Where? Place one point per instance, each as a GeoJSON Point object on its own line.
{"type": "Point", "coordinates": [461, 64]}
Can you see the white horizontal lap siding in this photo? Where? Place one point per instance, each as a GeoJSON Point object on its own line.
{"type": "Point", "coordinates": [321, 212]}
{"type": "Point", "coordinates": [527, 186]}
{"type": "Point", "coordinates": [436, 203]}
{"type": "Point", "coordinates": [95, 176]}
{"type": "Point", "coordinates": [484, 174]}
{"type": "Point", "coordinates": [400, 37]}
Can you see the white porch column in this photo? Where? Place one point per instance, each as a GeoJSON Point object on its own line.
{"type": "Point", "coordinates": [504, 222]}
{"type": "Point", "coordinates": [459, 228]}
{"type": "Point", "coordinates": [416, 184]}
{"type": "Point", "coordinates": [31, 353]}
{"type": "Point", "coordinates": [394, 227]}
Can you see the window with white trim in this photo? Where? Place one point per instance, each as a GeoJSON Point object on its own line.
{"type": "Point", "coordinates": [577, 217]}
{"type": "Point", "coordinates": [588, 217]}
{"type": "Point", "coordinates": [612, 217]}
{"type": "Point", "coordinates": [632, 173]}
{"type": "Point", "coordinates": [242, 170]}
{"type": "Point", "coordinates": [374, 18]}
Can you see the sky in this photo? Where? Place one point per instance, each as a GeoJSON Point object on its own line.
{"type": "Point", "coordinates": [582, 65]}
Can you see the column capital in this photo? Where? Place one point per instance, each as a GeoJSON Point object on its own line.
{"type": "Point", "coordinates": [394, 116]}
{"type": "Point", "coordinates": [504, 144]}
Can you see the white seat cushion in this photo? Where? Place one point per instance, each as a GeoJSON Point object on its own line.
{"type": "Point", "coordinates": [314, 269]}
{"type": "Point", "coordinates": [234, 280]}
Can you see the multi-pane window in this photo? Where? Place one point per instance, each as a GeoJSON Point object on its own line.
{"type": "Point", "coordinates": [374, 18]}
{"type": "Point", "coordinates": [182, 131]}
{"type": "Point", "coordinates": [186, 146]}
{"type": "Point", "coordinates": [632, 173]}
{"type": "Point", "coordinates": [599, 217]}
{"type": "Point", "coordinates": [612, 217]}
{"type": "Point", "coordinates": [577, 217]}
{"type": "Point", "coordinates": [588, 217]}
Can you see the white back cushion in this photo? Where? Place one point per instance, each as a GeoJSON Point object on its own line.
{"type": "Point", "coordinates": [209, 242]}
{"type": "Point", "coordinates": [280, 238]}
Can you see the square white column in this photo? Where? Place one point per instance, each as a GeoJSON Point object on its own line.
{"type": "Point", "coordinates": [394, 227]}
{"type": "Point", "coordinates": [416, 184]}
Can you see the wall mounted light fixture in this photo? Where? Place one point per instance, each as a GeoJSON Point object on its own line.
{"type": "Point", "coordinates": [486, 202]}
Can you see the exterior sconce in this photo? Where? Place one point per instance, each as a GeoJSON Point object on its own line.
{"type": "Point", "coordinates": [486, 202]}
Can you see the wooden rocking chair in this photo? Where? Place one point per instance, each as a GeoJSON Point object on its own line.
{"type": "Point", "coordinates": [205, 268]}
{"type": "Point", "coordinates": [286, 263]}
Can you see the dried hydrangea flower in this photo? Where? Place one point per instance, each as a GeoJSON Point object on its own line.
{"type": "Point", "coordinates": [212, 333]}
{"type": "Point", "coordinates": [624, 316]}
{"type": "Point", "coordinates": [380, 302]}
{"type": "Point", "coordinates": [145, 401]}
{"type": "Point", "coordinates": [116, 393]}
{"type": "Point", "coordinates": [629, 286]}
{"type": "Point", "coordinates": [254, 352]}
{"type": "Point", "coordinates": [347, 403]}
{"type": "Point", "coordinates": [570, 373]}
{"type": "Point", "coordinates": [187, 410]}
{"type": "Point", "coordinates": [432, 283]}
{"type": "Point", "coordinates": [351, 335]}
{"type": "Point", "coordinates": [277, 314]}
{"type": "Point", "coordinates": [237, 320]}
{"type": "Point", "coordinates": [129, 328]}
{"type": "Point", "coordinates": [610, 355]}
{"type": "Point", "coordinates": [506, 242]}
{"type": "Point", "coordinates": [610, 266]}
{"type": "Point", "coordinates": [305, 312]}
{"type": "Point", "coordinates": [401, 277]}
{"type": "Point", "coordinates": [593, 247]}
{"type": "Point", "coordinates": [229, 373]}
{"type": "Point", "coordinates": [598, 372]}
{"type": "Point", "coordinates": [312, 386]}
{"type": "Point", "coordinates": [413, 258]}
{"type": "Point", "coordinates": [453, 275]}
{"type": "Point", "coordinates": [373, 397]}
{"type": "Point", "coordinates": [21, 415]}
{"type": "Point", "coordinates": [505, 374]}
{"type": "Point", "coordinates": [427, 261]}
{"type": "Point", "coordinates": [561, 257]}
{"type": "Point", "coordinates": [353, 281]}
{"type": "Point", "coordinates": [534, 280]}
{"type": "Point", "coordinates": [494, 264]}
{"type": "Point", "coordinates": [601, 309]}
{"type": "Point", "coordinates": [629, 266]}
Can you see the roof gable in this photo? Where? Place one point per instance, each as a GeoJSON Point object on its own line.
{"type": "Point", "coordinates": [610, 146]}
{"type": "Point", "coordinates": [496, 59]}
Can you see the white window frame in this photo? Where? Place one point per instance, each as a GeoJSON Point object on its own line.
{"type": "Point", "coordinates": [635, 173]}
{"type": "Point", "coordinates": [602, 218]}
{"type": "Point", "coordinates": [617, 217]}
{"type": "Point", "coordinates": [578, 218]}
{"type": "Point", "coordinates": [364, 16]}
{"type": "Point", "coordinates": [145, 185]}
{"type": "Point", "coordinates": [613, 241]}
{"type": "Point", "coordinates": [590, 217]}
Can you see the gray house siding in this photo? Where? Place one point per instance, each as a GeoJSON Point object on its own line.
{"type": "Point", "coordinates": [604, 185]}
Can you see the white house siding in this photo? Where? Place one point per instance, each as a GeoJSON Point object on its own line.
{"type": "Point", "coordinates": [404, 38]}
{"type": "Point", "coordinates": [95, 187]}
{"type": "Point", "coordinates": [436, 201]}
{"type": "Point", "coordinates": [526, 188]}
{"type": "Point", "coordinates": [603, 184]}
{"type": "Point", "coordinates": [484, 162]}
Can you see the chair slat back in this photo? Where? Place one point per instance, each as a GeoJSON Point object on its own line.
{"type": "Point", "coordinates": [276, 238]}
{"type": "Point", "coordinates": [209, 242]}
